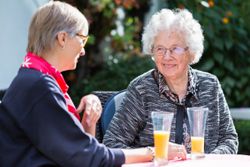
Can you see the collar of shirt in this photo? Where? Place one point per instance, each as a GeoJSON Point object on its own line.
{"type": "Point", "coordinates": [165, 91]}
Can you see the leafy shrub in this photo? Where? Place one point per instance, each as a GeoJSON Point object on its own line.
{"type": "Point", "coordinates": [226, 52]}
{"type": "Point", "coordinates": [226, 28]}
{"type": "Point", "coordinates": [226, 44]}
{"type": "Point", "coordinates": [243, 130]}
{"type": "Point", "coordinates": [114, 76]}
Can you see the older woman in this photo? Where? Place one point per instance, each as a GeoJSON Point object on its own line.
{"type": "Point", "coordinates": [39, 124]}
{"type": "Point", "coordinates": [175, 41]}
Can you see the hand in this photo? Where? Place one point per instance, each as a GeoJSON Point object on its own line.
{"type": "Point", "coordinates": [176, 151]}
{"type": "Point", "coordinates": [92, 108]}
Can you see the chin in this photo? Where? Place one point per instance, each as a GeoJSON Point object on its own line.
{"type": "Point", "coordinates": [168, 72]}
{"type": "Point", "coordinates": [73, 68]}
{"type": "Point", "coordinates": [169, 75]}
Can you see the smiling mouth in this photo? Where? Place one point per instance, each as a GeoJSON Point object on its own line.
{"type": "Point", "coordinates": [169, 65]}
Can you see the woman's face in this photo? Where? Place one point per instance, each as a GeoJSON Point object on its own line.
{"type": "Point", "coordinates": [74, 48]}
{"type": "Point", "coordinates": [171, 55]}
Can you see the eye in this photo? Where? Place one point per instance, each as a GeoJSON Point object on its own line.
{"type": "Point", "coordinates": [177, 50]}
{"type": "Point", "coordinates": [159, 49]}
{"type": "Point", "coordinates": [83, 41]}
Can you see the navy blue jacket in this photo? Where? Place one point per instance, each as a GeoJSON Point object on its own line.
{"type": "Point", "coordinates": [36, 130]}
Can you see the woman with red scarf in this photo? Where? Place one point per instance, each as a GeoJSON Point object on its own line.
{"type": "Point", "coordinates": [39, 124]}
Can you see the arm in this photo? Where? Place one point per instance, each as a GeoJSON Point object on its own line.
{"type": "Point", "coordinates": [53, 132]}
{"type": "Point", "coordinates": [126, 122]}
{"type": "Point", "coordinates": [228, 138]}
{"type": "Point", "coordinates": [138, 155]}
{"type": "Point", "coordinates": [148, 153]}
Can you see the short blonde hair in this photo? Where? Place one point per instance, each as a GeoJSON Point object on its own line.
{"type": "Point", "coordinates": [181, 21]}
{"type": "Point", "coordinates": [49, 20]}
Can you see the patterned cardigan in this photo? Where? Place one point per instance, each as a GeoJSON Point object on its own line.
{"type": "Point", "coordinates": [131, 126]}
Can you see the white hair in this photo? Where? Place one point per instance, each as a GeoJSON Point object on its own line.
{"type": "Point", "coordinates": [181, 21]}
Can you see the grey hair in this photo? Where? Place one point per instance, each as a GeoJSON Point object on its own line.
{"type": "Point", "coordinates": [181, 21]}
{"type": "Point", "coordinates": [49, 20]}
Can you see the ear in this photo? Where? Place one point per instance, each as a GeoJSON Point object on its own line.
{"type": "Point", "coordinates": [62, 38]}
{"type": "Point", "coordinates": [191, 58]}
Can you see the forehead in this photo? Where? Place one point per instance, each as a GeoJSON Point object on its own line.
{"type": "Point", "coordinates": [169, 39]}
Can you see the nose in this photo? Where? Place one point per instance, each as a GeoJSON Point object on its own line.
{"type": "Point", "coordinates": [167, 54]}
{"type": "Point", "coordinates": [82, 53]}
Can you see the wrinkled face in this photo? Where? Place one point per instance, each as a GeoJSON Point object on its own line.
{"type": "Point", "coordinates": [171, 55]}
{"type": "Point", "coordinates": [74, 48]}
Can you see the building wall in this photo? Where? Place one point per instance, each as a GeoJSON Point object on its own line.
{"type": "Point", "coordinates": [15, 16]}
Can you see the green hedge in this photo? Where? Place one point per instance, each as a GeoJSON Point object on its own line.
{"type": "Point", "coordinates": [113, 76]}
{"type": "Point", "coordinates": [226, 29]}
{"type": "Point", "coordinates": [243, 130]}
{"type": "Point", "coordinates": [117, 76]}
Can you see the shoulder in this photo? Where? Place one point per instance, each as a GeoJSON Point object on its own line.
{"type": "Point", "coordinates": [205, 77]}
{"type": "Point", "coordinates": [143, 79]}
{"type": "Point", "coordinates": [32, 83]}
{"type": "Point", "coordinates": [29, 87]}
{"type": "Point", "coordinates": [143, 84]}
{"type": "Point", "coordinates": [36, 79]}
{"type": "Point", "coordinates": [206, 82]}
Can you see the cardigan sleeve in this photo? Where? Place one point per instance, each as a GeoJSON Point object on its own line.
{"type": "Point", "coordinates": [228, 138]}
{"type": "Point", "coordinates": [53, 132]}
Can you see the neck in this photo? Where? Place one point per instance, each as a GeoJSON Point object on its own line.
{"type": "Point", "coordinates": [53, 59]}
{"type": "Point", "coordinates": [178, 85]}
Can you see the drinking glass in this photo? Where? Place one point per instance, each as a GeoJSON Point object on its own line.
{"type": "Point", "coordinates": [197, 117]}
{"type": "Point", "coordinates": [161, 124]}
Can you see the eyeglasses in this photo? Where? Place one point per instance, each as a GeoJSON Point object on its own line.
{"type": "Point", "coordinates": [175, 51]}
{"type": "Point", "coordinates": [84, 39]}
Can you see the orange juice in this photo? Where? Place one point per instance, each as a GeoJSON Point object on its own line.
{"type": "Point", "coordinates": [197, 144]}
{"type": "Point", "coordinates": [161, 139]}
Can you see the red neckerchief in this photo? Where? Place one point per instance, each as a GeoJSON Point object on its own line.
{"type": "Point", "coordinates": [35, 62]}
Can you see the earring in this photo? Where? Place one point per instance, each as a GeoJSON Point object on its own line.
{"type": "Point", "coordinates": [152, 57]}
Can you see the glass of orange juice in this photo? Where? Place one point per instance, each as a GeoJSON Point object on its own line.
{"type": "Point", "coordinates": [161, 125]}
{"type": "Point", "coordinates": [197, 117]}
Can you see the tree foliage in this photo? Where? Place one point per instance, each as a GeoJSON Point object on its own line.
{"type": "Point", "coordinates": [113, 59]}
{"type": "Point", "coordinates": [108, 54]}
{"type": "Point", "coordinates": [226, 45]}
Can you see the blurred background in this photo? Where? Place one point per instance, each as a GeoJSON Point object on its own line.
{"type": "Point", "coordinates": [113, 53]}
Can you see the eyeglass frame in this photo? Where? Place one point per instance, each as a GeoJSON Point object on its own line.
{"type": "Point", "coordinates": [171, 50]}
{"type": "Point", "coordinates": [84, 38]}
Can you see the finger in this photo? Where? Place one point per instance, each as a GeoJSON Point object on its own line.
{"type": "Point", "coordinates": [81, 106]}
{"type": "Point", "coordinates": [99, 108]}
{"type": "Point", "coordinates": [92, 108]}
{"type": "Point", "coordinates": [94, 113]}
{"type": "Point", "coordinates": [95, 119]}
{"type": "Point", "coordinates": [95, 106]}
{"type": "Point", "coordinates": [184, 153]}
{"type": "Point", "coordinates": [87, 112]}
{"type": "Point", "coordinates": [88, 107]}
{"type": "Point", "coordinates": [181, 153]}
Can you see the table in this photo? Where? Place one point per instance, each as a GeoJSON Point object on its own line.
{"type": "Point", "coordinates": [210, 160]}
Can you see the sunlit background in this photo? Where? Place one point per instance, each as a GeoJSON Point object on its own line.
{"type": "Point", "coordinates": [113, 53]}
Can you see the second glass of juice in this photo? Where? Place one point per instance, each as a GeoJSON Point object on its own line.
{"type": "Point", "coordinates": [197, 117]}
